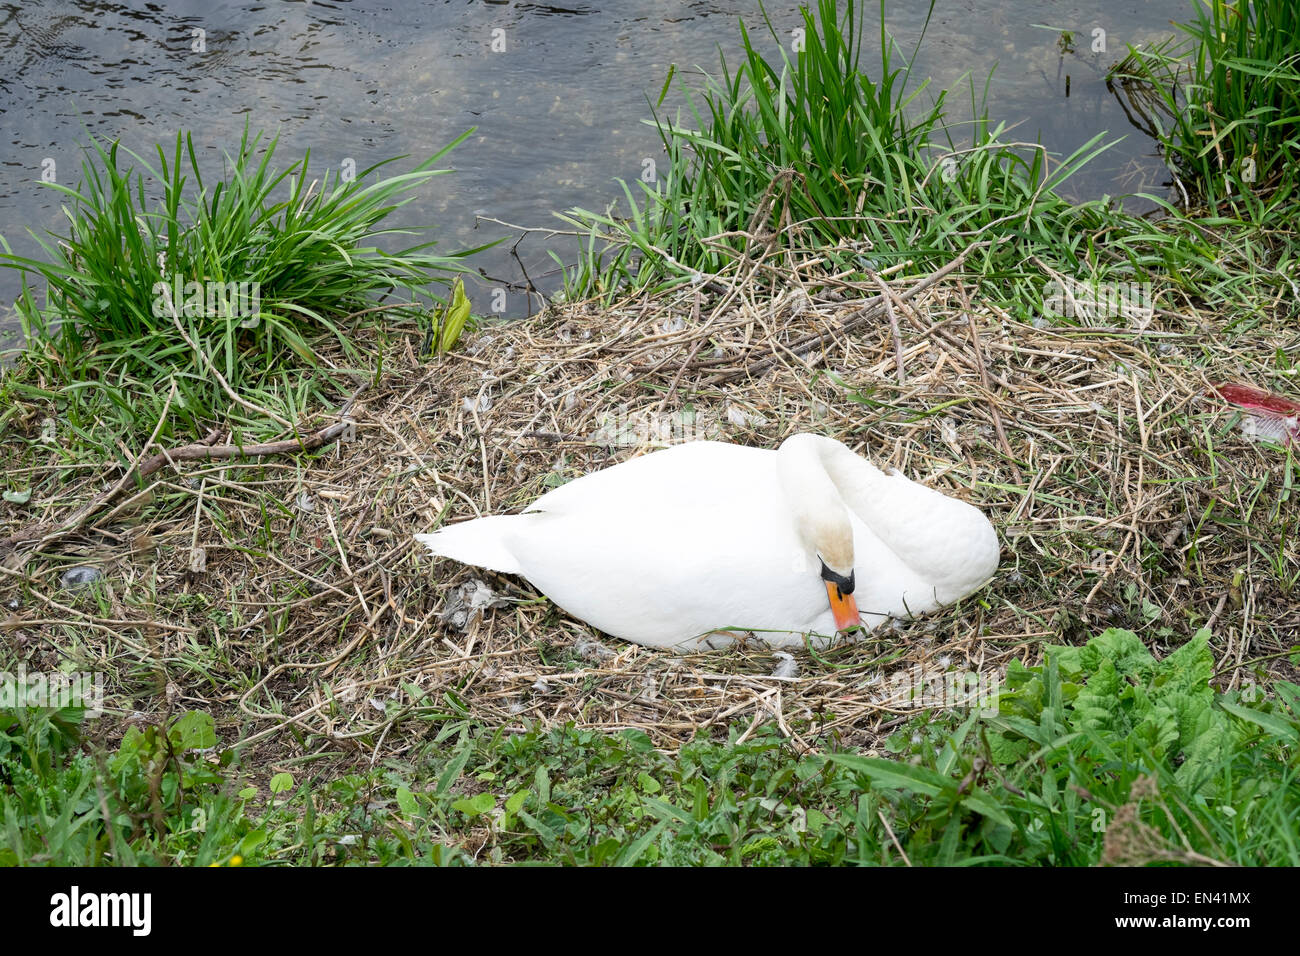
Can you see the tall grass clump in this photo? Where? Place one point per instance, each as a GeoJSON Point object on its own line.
{"type": "Point", "coordinates": [1225, 99]}
{"type": "Point", "coordinates": [164, 277]}
{"type": "Point", "coordinates": [812, 153]}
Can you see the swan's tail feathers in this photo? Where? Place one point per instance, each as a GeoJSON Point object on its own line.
{"type": "Point", "coordinates": [481, 542]}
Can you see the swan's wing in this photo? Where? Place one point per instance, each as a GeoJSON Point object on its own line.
{"type": "Point", "coordinates": [944, 541]}
{"type": "Point", "coordinates": [668, 546]}
{"type": "Point", "coordinates": [948, 540]}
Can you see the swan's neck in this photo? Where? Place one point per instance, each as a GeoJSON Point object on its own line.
{"type": "Point", "coordinates": [813, 478]}
{"type": "Point", "coordinates": [942, 540]}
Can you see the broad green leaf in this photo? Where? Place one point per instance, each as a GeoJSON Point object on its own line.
{"type": "Point", "coordinates": [407, 803]}
{"type": "Point", "coordinates": [981, 802]}
{"type": "Point", "coordinates": [252, 840]}
{"type": "Point", "coordinates": [193, 730]}
{"type": "Point", "coordinates": [476, 805]}
{"type": "Point", "coordinates": [516, 801]}
{"type": "Point", "coordinates": [635, 850]}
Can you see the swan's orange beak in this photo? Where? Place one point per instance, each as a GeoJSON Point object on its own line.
{"type": "Point", "coordinates": [843, 607]}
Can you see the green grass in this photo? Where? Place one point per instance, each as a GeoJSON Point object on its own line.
{"type": "Point", "coordinates": [816, 156]}
{"type": "Point", "coordinates": [164, 280]}
{"type": "Point", "coordinates": [1099, 755]}
{"type": "Point", "coordinates": [1225, 100]}
{"type": "Point", "coordinates": [811, 153]}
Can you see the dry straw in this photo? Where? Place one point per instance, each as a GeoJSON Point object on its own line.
{"type": "Point", "coordinates": [1122, 496]}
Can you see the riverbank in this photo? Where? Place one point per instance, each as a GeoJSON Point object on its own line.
{"type": "Point", "coordinates": [282, 594]}
{"type": "Point", "coordinates": [218, 524]}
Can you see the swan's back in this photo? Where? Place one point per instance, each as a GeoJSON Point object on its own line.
{"type": "Point", "coordinates": [659, 497]}
{"type": "Point", "coordinates": [678, 477]}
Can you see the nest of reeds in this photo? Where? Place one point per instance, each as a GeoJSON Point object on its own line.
{"type": "Point", "coordinates": [283, 592]}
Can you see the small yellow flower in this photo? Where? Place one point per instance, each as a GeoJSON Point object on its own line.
{"type": "Point", "coordinates": [236, 860]}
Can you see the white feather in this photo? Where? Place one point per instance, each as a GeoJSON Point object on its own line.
{"type": "Point", "coordinates": [668, 548]}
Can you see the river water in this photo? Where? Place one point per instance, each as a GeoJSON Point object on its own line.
{"type": "Point", "coordinates": [558, 94]}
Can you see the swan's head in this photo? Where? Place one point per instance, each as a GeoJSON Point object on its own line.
{"type": "Point", "coordinates": [823, 523]}
{"type": "Point", "coordinates": [839, 590]}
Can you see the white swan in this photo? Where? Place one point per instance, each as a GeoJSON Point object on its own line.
{"type": "Point", "coordinates": [668, 548]}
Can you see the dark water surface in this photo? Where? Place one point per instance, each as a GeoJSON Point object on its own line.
{"type": "Point", "coordinates": [558, 113]}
